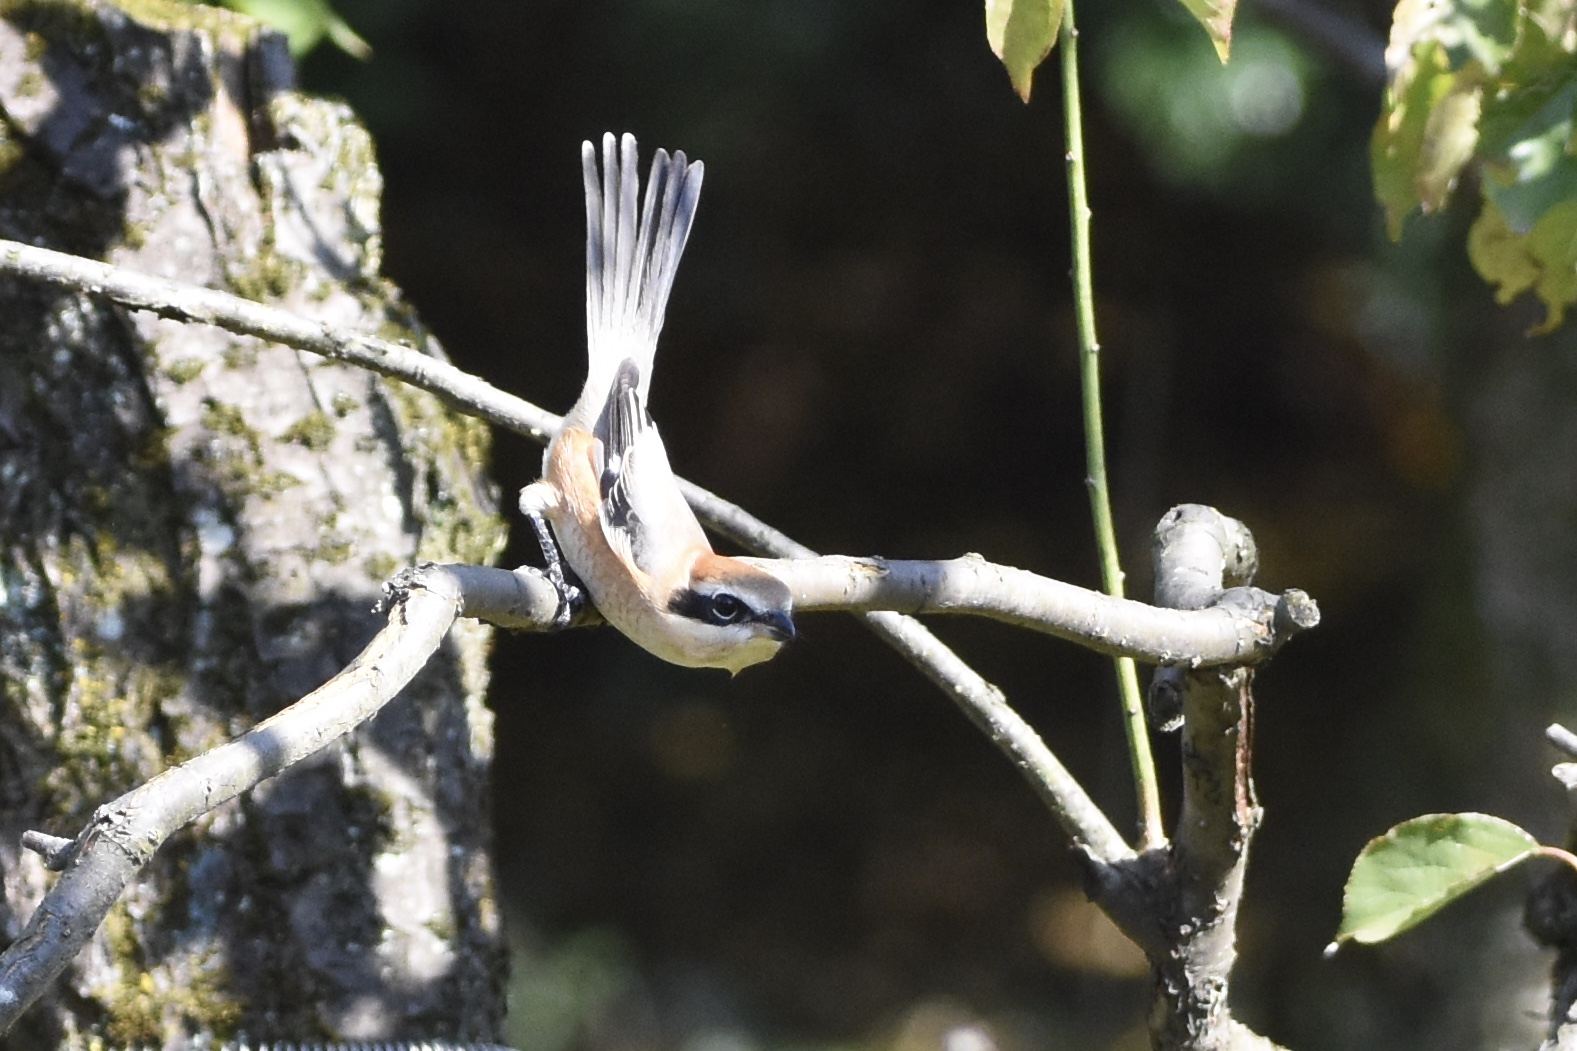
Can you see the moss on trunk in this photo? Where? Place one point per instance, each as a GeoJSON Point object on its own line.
{"type": "Point", "coordinates": [193, 530]}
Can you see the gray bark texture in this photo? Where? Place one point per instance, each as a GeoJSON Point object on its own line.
{"type": "Point", "coordinates": [193, 530]}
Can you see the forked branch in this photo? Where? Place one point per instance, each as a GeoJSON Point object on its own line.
{"type": "Point", "coordinates": [1242, 626]}
{"type": "Point", "coordinates": [123, 835]}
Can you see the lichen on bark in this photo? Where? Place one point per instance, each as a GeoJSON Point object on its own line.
{"type": "Point", "coordinates": [193, 528]}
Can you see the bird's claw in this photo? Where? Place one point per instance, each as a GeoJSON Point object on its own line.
{"type": "Point", "coordinates": [572, 595]}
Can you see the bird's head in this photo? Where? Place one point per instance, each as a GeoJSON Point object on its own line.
{"type": "Point", "coordinates": [736, 613]}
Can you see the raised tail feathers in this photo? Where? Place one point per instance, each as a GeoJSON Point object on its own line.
{"type": "Point", "coordinates": [630, 261]}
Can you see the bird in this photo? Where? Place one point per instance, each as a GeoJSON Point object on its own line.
{"type": "Point", "coordinates": [617, 516]}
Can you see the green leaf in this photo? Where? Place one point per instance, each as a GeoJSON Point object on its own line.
{"type": "Point", "coordinates": [1500, 255]}
{"type": "Point", "coordinates": [1444, 57]}
{"type": "Point", "coordinates": [1533, 90]}
{"type": "Point", "coordinates": [306, 23]}
{"type": "Point", "coordinates": [1482, 31]}
{"type": "Point", "coordinates": [1022, 33]}
{"type": "Point", "coordinates": [1216, 17]}
{"type": "Point", "coordinates": [1418, 867]}
{"type": "Point", "coordinates": [1542, 258]}
{"type": "Point", "coordinates": [1491, 84]}
{"type": "Point", "coordinates": [1427, 131]}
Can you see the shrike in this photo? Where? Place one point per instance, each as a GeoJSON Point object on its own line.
{"type": "Point", "coordinates": [614, 504]}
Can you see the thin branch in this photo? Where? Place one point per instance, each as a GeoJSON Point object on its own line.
{"type": "Point", "coordinates": [1243, 626]}
{"type": "Point", "coordinates": [180, 301]}
{"type": "Point", "coordinates": [185, 302]}
{"type": "Point", "coordinates": [1146, 785]}
{"type": "Point", "coordinates": [1562, 738]}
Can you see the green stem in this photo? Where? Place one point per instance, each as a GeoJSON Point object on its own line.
{"type": "Point", "coordinates": [1145, 785]}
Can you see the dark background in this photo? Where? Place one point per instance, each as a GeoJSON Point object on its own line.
{"type": "Point", "coordinates": [871, 347]}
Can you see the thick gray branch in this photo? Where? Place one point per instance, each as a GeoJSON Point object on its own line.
{"type": "Point", "coordinates": [1181, 903]}
{"type": "Point", "coordinates": [1245, 629]}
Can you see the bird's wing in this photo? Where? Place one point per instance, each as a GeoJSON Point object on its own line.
{"type": "Point", "coordinates": [644, 516]}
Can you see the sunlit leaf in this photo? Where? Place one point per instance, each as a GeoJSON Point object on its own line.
{"type": "Point", "coordinates": [1471, 30]}
{"type": "Point", "coordinates": [1450, 135]}
{"type": "Point", "coordinates": [1556, 17]}
{"type": "Point", "coordinates": [1426, 134]}
{"type": "Point", "coordinates": [1542, 259]}
{"type": "Point", "coordinates": [1490, 84]}
{"type": "Point", "coordinates": [1216, 17]}
{"type": "Point", "coordinates": [1443, 58]}
{"type": "Point", "coordinates": [1537, 174]}
{"type": "Point", "coordinates": [1500, 255]}
{"type": "Point", "coordinates": [1022, 33]}
{"type": "Point", "coordinates": [1533, 89]}
{"type": "Point", "coordinates": [1418, 867]}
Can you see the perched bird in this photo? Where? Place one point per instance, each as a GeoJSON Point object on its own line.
{"type": "Point", "coordinates": [617, 515]}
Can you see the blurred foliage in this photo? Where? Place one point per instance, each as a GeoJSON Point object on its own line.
{"type": "Point", "coordinates": [560, 996]}
{"type": "Point", "coordinates": [1491, 84]}
{"type": "Point", "coordinates": [1228, 127]}
{"type": "Point", "coordinates": [306, 22]}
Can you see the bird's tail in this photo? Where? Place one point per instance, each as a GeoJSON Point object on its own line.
{"type": "Point", "coordinates": [631, 260]}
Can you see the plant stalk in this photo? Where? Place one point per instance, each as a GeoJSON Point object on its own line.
{"type": "Point", "coordinates": [1145, 785]}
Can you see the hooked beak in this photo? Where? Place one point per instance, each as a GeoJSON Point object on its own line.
{"type": "Point", "coordinates": [778, 624]}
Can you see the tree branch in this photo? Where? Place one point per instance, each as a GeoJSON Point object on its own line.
{"type": "Point", "coordinates": [1244, 626]}
{"type": "Point", "coordinates": [1181, 904]}
{"type": "Point", "coordinates": [180, 301]}
{"type": "Point", "coordinates": [185, 302]}
{"type": "Point", "coordinates": [1198, 551]}
{"type": "Point", "coordinates": [1550, 913]}
{"type": "Point", "coordinates": [123, 835]}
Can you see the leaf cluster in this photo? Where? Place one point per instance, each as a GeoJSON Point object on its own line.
{"type": "Point", "coordinates": [1489, 87]}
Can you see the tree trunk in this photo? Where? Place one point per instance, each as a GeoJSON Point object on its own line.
{"type": "Point", "coordinates": [193, 530]}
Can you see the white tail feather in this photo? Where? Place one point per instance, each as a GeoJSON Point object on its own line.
{"type": "Point", "coordinates": [630, 264]}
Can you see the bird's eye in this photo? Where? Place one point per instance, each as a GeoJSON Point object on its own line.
{"type": "Point", "coordinates": [726, 608]}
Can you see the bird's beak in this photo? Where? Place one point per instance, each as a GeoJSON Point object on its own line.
{"type": "Point", "coordinates": [779, 625]}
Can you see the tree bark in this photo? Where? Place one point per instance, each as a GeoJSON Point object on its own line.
{"type": "Point", "coordinates": [193, 530]}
